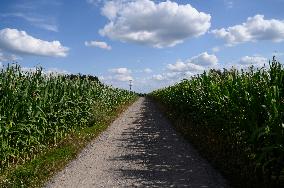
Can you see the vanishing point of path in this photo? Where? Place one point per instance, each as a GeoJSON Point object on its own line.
{"type": "Point", "coordinates": [139, 149]}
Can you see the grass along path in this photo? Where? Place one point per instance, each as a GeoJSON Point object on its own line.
{"type": "Point", "coordinates": [139, 149]}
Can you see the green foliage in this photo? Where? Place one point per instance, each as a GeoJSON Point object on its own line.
{"type": "Point", "coordinates": [243, 108]}
{"type": "Point", "coordinates": [39, 110]}
{"type": "Point", "coordinates": [36, 172]}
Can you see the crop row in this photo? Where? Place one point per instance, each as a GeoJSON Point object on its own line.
{"type": "Point", "coordinates": [37, 110]}
{"type": "Point", "coordinates": [236, 117]}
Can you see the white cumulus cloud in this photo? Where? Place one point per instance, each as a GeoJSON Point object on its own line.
{"type": "Point", "coordinates": [253, 60]}
{"type": "Point", "coordinates": [166, 76]}
{"type": "Point", "coordinates": [20, 42]}
{"type": "Point", "coordinates": [99, 44]}
{"type": "Point", "coordinates": [195, 64]}
{"type": "Point", "coordinates": [120, 71]}
{"type": "Point", "coordinates": [245, 62]}
{"type": "Point", "coordinates": [179, 66]}
{"type": "Point", "coordinates": [254, 29]}
{"type": "Point", "coordinates": [121, 74]}
{"type": "Point", "coordinates": [159, 77]}
{"type": "Point", "coordinates": [204, 59]}
{"type": "Point", "coordinates": [162, 24]}
{"type": "Point", "coordinates": [123, 78]}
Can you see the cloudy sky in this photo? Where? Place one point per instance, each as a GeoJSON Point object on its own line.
{"type": "Point", "coordinates": [154, 43]}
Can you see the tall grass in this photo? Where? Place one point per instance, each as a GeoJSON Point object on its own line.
{"type": "Point", "coordinates": [236, 118]}
{"type": "Point", "coordinates": [38, 110]}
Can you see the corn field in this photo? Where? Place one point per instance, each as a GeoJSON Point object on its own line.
{"type": "Point", "coordinates": [38, 110]}
{"type": "Point", "coordinates": [239, 116]}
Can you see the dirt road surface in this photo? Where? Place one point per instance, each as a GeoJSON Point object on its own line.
{"type": "Point", "coordinates": [139, 149]}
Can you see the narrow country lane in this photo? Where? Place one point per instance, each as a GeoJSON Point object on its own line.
{"type": "Point", "coordinates": [139, 149]}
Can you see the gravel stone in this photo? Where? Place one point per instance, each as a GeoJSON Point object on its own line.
{"type": "Point", "coordinates": [139, 149]}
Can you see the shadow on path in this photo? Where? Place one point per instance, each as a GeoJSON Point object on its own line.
{"type": "Point", "coordinates": [163, 157]}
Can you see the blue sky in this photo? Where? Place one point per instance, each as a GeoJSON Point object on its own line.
{"type": "Point", "coordinates": [153, 43]}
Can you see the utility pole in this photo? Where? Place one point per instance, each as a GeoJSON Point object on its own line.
{"type": "Point", "coordinates": [130, 84]}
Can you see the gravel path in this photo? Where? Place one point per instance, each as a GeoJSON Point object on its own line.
{"type": "Point", "coordinates": [139, 149]}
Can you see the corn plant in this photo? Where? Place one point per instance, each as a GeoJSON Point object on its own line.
{"type": "Point", "coordinates": [38, 110]}
{"type": "Point", "coordinates": [246, 107]}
